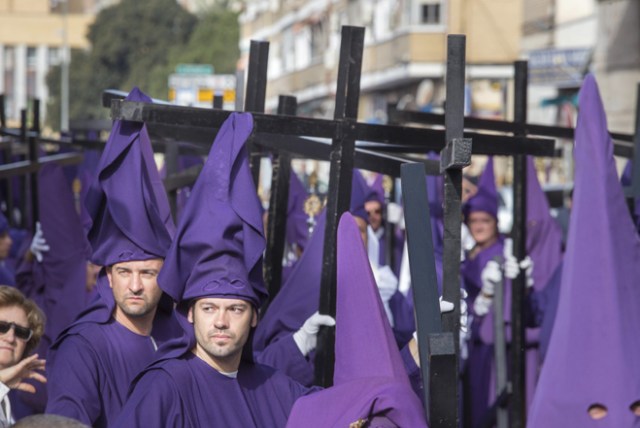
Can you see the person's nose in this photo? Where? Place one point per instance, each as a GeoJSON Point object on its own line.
{"type": "Point", "coordinates": [136, 286]}
{"type": "Point", "coordinates": [221, 320]}
{"type": "Point", "coordinates": [10, 335]}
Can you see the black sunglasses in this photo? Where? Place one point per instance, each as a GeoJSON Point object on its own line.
{"type": "Point", "coordinates": [22, 333]}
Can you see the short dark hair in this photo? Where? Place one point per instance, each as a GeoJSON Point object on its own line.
{"type": "Point", "coordinates": [11, 296]}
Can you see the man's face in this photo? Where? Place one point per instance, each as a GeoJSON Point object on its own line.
{"type": "Point", "coordinates": [221, 328]}
{"type": "Point", "coordinates": [5, 245]}
{"type": "Point", "coordinates": [11, 347]}
{"type": "Point", "coordinates": [374, 209]}
{"type": "Point", "coordinates": [135, 287]}
{"type": "Point", "coordinates": [483, 227]}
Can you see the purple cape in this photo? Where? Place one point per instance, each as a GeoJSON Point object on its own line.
{"type": "Point", "coordinates": [186, 392]}
{"type": "Point", "coordinates": [594, 353]}
{"type": "Point", "coordinates": [92, 362]}
{"type": "Point", "coordinates": [90, 369]}
{"type": "Point", "coordinates": [297, 300]}
{"type": "Point", "coordinates": [369, 378]}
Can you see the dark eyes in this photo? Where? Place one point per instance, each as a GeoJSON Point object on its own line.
{"type": "Point", "coordinates": [635, 407]}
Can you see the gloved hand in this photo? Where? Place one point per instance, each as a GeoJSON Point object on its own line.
{"type": "Point", "coordinates": [491, 276]}
{"type": "Point", "coordinates": [527, 266]}
{"type": "Point", "coordinates": [464, 311]}
{"type": "Point", "coordinates": [445, 306]}
{"type": "Point", "coordinates": [307, 337]}
{"type": "Point", "coordinates": [38, 243]}
{"type": "Point", "coordinates": [512, 267]}
{"type": "Point", "coordinates": [482, 304]}
{"type": "Point", "coordinates": [394, 213]}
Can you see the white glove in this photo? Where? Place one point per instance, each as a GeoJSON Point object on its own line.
{"type": "Point", "coordinates": [307, 337]}
{"type": "Point", "coordinates": [464, 311]}
{"type": "Point", "coordinates": [527, 266]}
{"type": "Point", "coordinates": [38, 243]}
{"type": "Point", "coordinates": [512, 267]}
{"type": "Point", "coordinates": [394, 213]}
{"type": "Point", "coordinates": [448, 307]}
{"type": "Point", "coordinates": [491, 276]}
{"type": "Point", "coordinates": [482, 304]}
{"type": "Point", "coordinates": [445, 306]}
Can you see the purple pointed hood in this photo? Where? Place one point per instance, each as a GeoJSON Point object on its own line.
{"type": "Point", "coordinates": [360, 193]}
{"type": "Point", "coordinates": [486, 199]}
{"type": "Point", "coordinates": [594, 353]}
{"type": "Point", "coordinates": [369, 378]}
{"type": "Point", "coordinates": [127, 203]}
{"type": "Point", "coordinates": [297, 228]}
{"type": "Point", "coordinates": [217, 251]}
{"type": "Point", "coordinates": [377, 190]}
{"type": "Point", "coordinates": [544, 235]}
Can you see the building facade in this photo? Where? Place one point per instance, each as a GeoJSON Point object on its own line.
{"type": "Point", "coordinates": [405, 50]}
{"type": "Point", "coordinates": [32, 39]}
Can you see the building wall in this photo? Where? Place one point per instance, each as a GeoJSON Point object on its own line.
{"type": "Point", "coordinates": [616, 61]}
{"type": "Point", "coordinates": [31, 41]}
{"type": "Point", "coordinates": [403, 44]}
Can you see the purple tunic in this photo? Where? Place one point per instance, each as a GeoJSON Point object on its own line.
{"type": "Point", "coordinates": [187, 392]}
{"type": "Point", "coordinates": [91, 371]}
{"type": "Point", "coordinates": [92, 363]}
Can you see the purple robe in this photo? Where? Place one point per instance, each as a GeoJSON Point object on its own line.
{"type": "Point", "coordinates": [92, 363]}
{"type": "Point", "coordinates": [187, 392]}
{"type": "Point", "coordinates": [594, 353]}
{"type": "Point", "coordinates": [297, 300]}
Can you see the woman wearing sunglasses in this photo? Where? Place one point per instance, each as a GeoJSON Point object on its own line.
{"type": "Point", "coordinates": [21, 327]}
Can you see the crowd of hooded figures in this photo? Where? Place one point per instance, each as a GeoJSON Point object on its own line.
{"type": "Point", "coordinates": [111, 315]}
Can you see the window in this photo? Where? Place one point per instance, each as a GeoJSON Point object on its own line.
{"type": "Point", "coordinates": [430, 13]}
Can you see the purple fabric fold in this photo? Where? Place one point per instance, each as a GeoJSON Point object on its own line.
{"type": "Point", "coordinates": [595, 349]}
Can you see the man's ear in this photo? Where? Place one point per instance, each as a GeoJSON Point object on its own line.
{"type": "Point", "coordinates": [190, 314]}
{"type": "Point", "coordinates": [108, 271]}
{"type": "Point", "coordinates": [254, 317]}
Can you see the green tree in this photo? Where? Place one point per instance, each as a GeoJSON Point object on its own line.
{"type": "Point", "coordinates": [214, 41]}
{"type": "Point", "coordinates": [128, 41]}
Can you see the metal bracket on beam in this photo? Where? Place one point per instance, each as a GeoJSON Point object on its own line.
{"type": "Point", "coordinates": [456, 154]}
